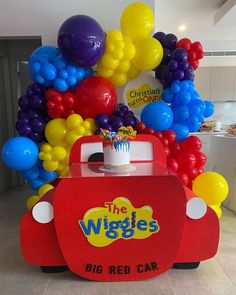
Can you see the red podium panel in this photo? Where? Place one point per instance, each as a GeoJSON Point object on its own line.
{"type": "Point", "coordinates": [119, 228]}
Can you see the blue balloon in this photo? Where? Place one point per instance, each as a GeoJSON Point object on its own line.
{"type": "Point", "coordinates": [175, 87]}
{"type": "Point", "coordinates": [31, 174]}
{"type": "Point", "coordinates": [182, 98]}
{"type": "Point", "coordinates": [157, 115]}
{"type": "Point", "coordinates": [20, 153]}
{"type": "Point", "coordinates": [180, 130]}
{"type": "Point", "coordinates": [197, 103]}
{"type": "Point", "coordinates": [49, 68]}
{"type": "Point", "coordinates": [35, 184]}
{"type": "Point", "coordinates": [209, 108]}
{"type": "Point", "coordinates": [193, 124]}
{"type": "Point", "coordinates": [47, 176]}
{"type": "Point", "coordinates": [167, 96]}
{"type": "Point", "coordinates": [180, 114]}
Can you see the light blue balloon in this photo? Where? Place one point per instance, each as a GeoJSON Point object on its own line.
{"type": "Point", "coordinates": [20, 153]}
{"type": "Point", "coordinates": [157, 115]}
{"type": "Point", "coordinates": [181, 131]}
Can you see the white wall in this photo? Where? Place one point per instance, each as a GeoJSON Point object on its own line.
{"type": "Point", "coordinates": [44, 17]}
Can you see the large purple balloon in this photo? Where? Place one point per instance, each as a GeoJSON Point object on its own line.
{"type": "Point", "coordinates": [82, 40]}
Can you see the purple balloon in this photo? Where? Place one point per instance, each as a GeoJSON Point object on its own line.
{"type": "Point", "coordinates": [23, 102]}
{"type": "Point", "coordinates": [116, 123]}
{"type": "Point", "coordinates": [37, 125]}
{"type": "Point", "coordinates": [124, 109]}
{"type": "Point", "coordinates": [182, 65]}
{"type": "Point", "coordinates": [36, 136]}
{"type": "Point", "coordinates": [102, 120]}
{"type": "Point", "coordinates": [169, 77]}
{"type": "Point", "coordinates": [37, 103]}
{"type": "Point", "coordinates": [180, 54]}
{"type": "Point", "coordinates": [24, 120]}
{"type": "Point", "coordinates": [130, 121]}
{"type": "Point", "coordinates": [159, 36]}
{"type": "Point", "coordinates": [130, 113]}
{"type": "Point", "coordinates": [108, 127]}
{"type": "Point", "coordinates": [172, 65]}
{"type": "Point", "coordinates": [169, 41]}
{"type": "Point", "coordinates": [82, 40]}
{"type": "Point", "coordinates": [178, 75]}
{"type": "Point", "coordinates": [37, 88]}
{"type": "Point", "coordinates": [25, 130]}
{"type": "Point", "coordinates": [166, 56]}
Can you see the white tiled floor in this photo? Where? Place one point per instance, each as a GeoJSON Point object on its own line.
{"type": "Point", "coordinates": [215, 276]}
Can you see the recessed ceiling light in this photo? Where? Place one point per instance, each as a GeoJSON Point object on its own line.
{"type": "Point", "coordinates": [182, 28]}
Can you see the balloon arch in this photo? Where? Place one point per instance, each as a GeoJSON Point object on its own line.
{"type": "Point", "coordinates": [68, 100]}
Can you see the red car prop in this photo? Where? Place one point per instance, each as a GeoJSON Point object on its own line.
{"type": "Point", "coordinates": [119, 226]}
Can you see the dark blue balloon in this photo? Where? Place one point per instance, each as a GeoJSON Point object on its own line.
{"type": "Point", "coordinates": [157, 115]}
{"type": "Point", "coordinates": [209, 108]}
{"type": "Point", "coordinates": [182, 98]}
{"type": "Point", "coordinates": [167, 95]}
{"type": "Point", "coordinates": [181, 131]}
{"type": "Point", "coordinates": [31, 174]}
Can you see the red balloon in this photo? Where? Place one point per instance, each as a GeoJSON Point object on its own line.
{"type": "Point", "coordinates": [141, 127]}
{"type": "Point", "coordinates": [200, 170]}
{"type": "Point", "coordinates": [164, 141]}
{"type": "Point", "coordinates": [184, 43]}
{"type": "Point", "coordinates": [169, 135]}
{"type": "Point", "coordinates": [172, 164]}
{"type": "Point", "coordinates": [194, 63]}
{"type": "Point", "coordinates": [192, 55]}
{"type": "Point", "coordinates": [167, 151]}
{"type": "Point", "coordinates": [200, 54]}
{"type": "Point", "coordinates": [183, 177]}
{"type": "Point", "coordinates": [186, 160]}
{"type": "Point", "coordinates": [201, 159]}
{"type": "Point", "coordinates": [149, 131]}
{"type": "Point", "coordinates": [175, 148]}
{"type": "Point", "coordinates": [191, 144]}
{"type": "Point", "coordinates": [95, 95]}
{"type": "Point", "coordinates": [60, 105]}
{"type": "Point", "coordinates": [192, 173]}
{"type": "Point", "coordinates": [196, 46]}
{"type": "Point", "coordinates": [158, 134]}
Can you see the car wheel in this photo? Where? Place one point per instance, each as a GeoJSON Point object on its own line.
{"type": "Point", "coordinates": [186, 265]}
{"type": "Point", "coordinates": [54, 269]}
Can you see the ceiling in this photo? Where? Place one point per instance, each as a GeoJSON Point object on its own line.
{"type": "Point", "coordinates": [198, 17]}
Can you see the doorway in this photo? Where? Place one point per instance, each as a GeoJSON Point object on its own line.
{"type": "Point", "coordinates": [14, 79]}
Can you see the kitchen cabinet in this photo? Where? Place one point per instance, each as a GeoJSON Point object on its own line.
{"type": "Point", "coordinates": [203, 82]}
{"type": "Point", "coordinates": [216, 83]}
{"type": "Point", "coordinates": [222, 83]}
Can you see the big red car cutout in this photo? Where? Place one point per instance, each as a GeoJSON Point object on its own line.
{"type": "Point", "coordinates": [119, 226]}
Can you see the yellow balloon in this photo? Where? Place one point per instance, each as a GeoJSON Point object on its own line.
{"type": "Point", "coordinates": [50, 165]}
{"type": "Point", "coordinates": [31, 201]}
{"type": "Point", "coordinates": [132, 72]}
{"type": "Point", "coordinates": [119, 79]}
{"type": "Point", "coordinates": [137, 20]}
{"type": "Point", "coordinates": [217, 210]}
{"type": "Point", "coordinates": [74, 121]}
{"type": "Point", "coordinates": [109, 62]}
{"type": "Point", "coordinates": [72, 136]}
{"type": "Point", "coordinates": [55, 132]}
{"type": "Point", "coordinates": [106, 73]}
{"type": "Point", "coordinates": [114, 35]}
{"type": "Point", "coordinates": [46, 148]}
{"type": "Point", "coordinates": [58, 153]}
{"type": "Point", "coordinates": [149, 54]}
{"type": "Point", "coordinates": [89, 124]}
{"type": "Point", "coordinates": [211, 187]}
{"type": "Point", "coordinates": [118, 54]}
{"type": "Point", "coordinates": [44, 189]}
{"type": "Point", "coordinates": [124, 66]}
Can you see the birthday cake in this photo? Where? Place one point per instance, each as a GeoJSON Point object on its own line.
{"type": "Point", "coordinates": [116, 149]}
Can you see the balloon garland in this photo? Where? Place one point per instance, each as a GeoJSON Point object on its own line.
{"type": "Point", "coordinates": [67, 101]}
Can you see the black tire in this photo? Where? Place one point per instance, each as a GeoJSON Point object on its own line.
{"type": "Point", "coordinates": [186, 265]}
{"type": "Point", "coordinates": [54, 269]}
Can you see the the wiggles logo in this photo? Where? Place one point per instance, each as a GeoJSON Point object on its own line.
{"type": "Point", "coordinates": [116, 220]}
